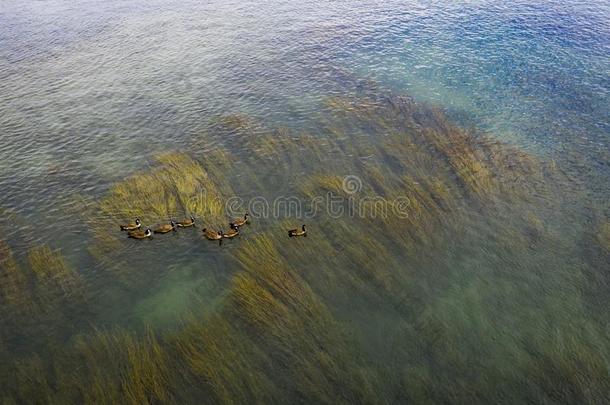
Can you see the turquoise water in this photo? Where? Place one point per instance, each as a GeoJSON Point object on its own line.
{"type": "Point", "coordinates": [91, 91]}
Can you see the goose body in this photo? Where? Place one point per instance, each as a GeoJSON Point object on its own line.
{"type": "Point", "coordinates": [140, 234]}
{"type": "Point", "coordinates": [232, 233]}
{"type": "Point", "coordinates": [212, 235]}
{"type": "Point", "coordinates": [239, 222]}
{"type": "Point", "coordinates": [132, 226]}
{"type": "Point", "coordinates": [185, 223]}
{"type": "Point", "coordinates": [297, 232]}
{"type": "Point", "coordinates": [165, 228]}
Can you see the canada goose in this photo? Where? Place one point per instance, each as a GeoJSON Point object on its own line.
{"type": "Point", "coordinates": [296, 232]}
{"type": "Point", "coordinates": [132, 226]}
{"type": "Point", "coordinates": [239, 222]}
{"type": "Point", "coordinates": [185, 223]}
{"type": "Point", "coordinates": [140, 234]}
{"type": "Point", "coordinates": [165, 228]}
{"type": "Point", "coordinates": [212, 235]}
{"type": "Point", "coordinates": [232, 233]}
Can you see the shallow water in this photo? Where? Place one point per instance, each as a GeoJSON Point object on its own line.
{"type": "Point", "coordinates": [92, 92]}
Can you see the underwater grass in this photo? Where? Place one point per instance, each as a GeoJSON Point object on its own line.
{"type": "Point", "coordinates": [453, 301]}
{"type": "Point", "coordinates": [176, 187]}
{"type": "Point", "coordinates": [13, 282]}
{"type": "Point", "coordinates": [37, 295]}
{"type": "Point", "coordinates": [53, 279]}
{"type": "Point", "coordinates": [603, 237]}
{"type": "Point", "coordinates": [270, 322]}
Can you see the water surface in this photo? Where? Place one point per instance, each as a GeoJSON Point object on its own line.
{"type": "Point", "coordinates": [93, 92]}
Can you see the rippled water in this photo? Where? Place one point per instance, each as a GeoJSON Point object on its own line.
{"type": "Point", "coordinates": [90, 91]}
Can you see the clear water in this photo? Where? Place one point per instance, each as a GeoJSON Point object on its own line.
{"type": "Point", "coordinates": [91, 90]}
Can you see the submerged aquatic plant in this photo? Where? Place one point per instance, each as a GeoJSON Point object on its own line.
{"type": "Point", "coordinates": [475, 294]}
{"type": "Point", "coordinates": [13, 282]}
{"type": "Point", "coordinates": [176, 186]}
{"type": "Point", "coordinates": [603, 236]}
{"type": "Point", "coordinates": [39, 299]}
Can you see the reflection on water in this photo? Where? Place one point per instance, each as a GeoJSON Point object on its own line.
{"type": "Point", "coordinates": [489, 287]}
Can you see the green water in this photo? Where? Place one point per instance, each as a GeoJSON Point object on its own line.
{"type": "Point", "coordinates": [481, 287]}
{"type": "Point", "coordinates": [458, 241]}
